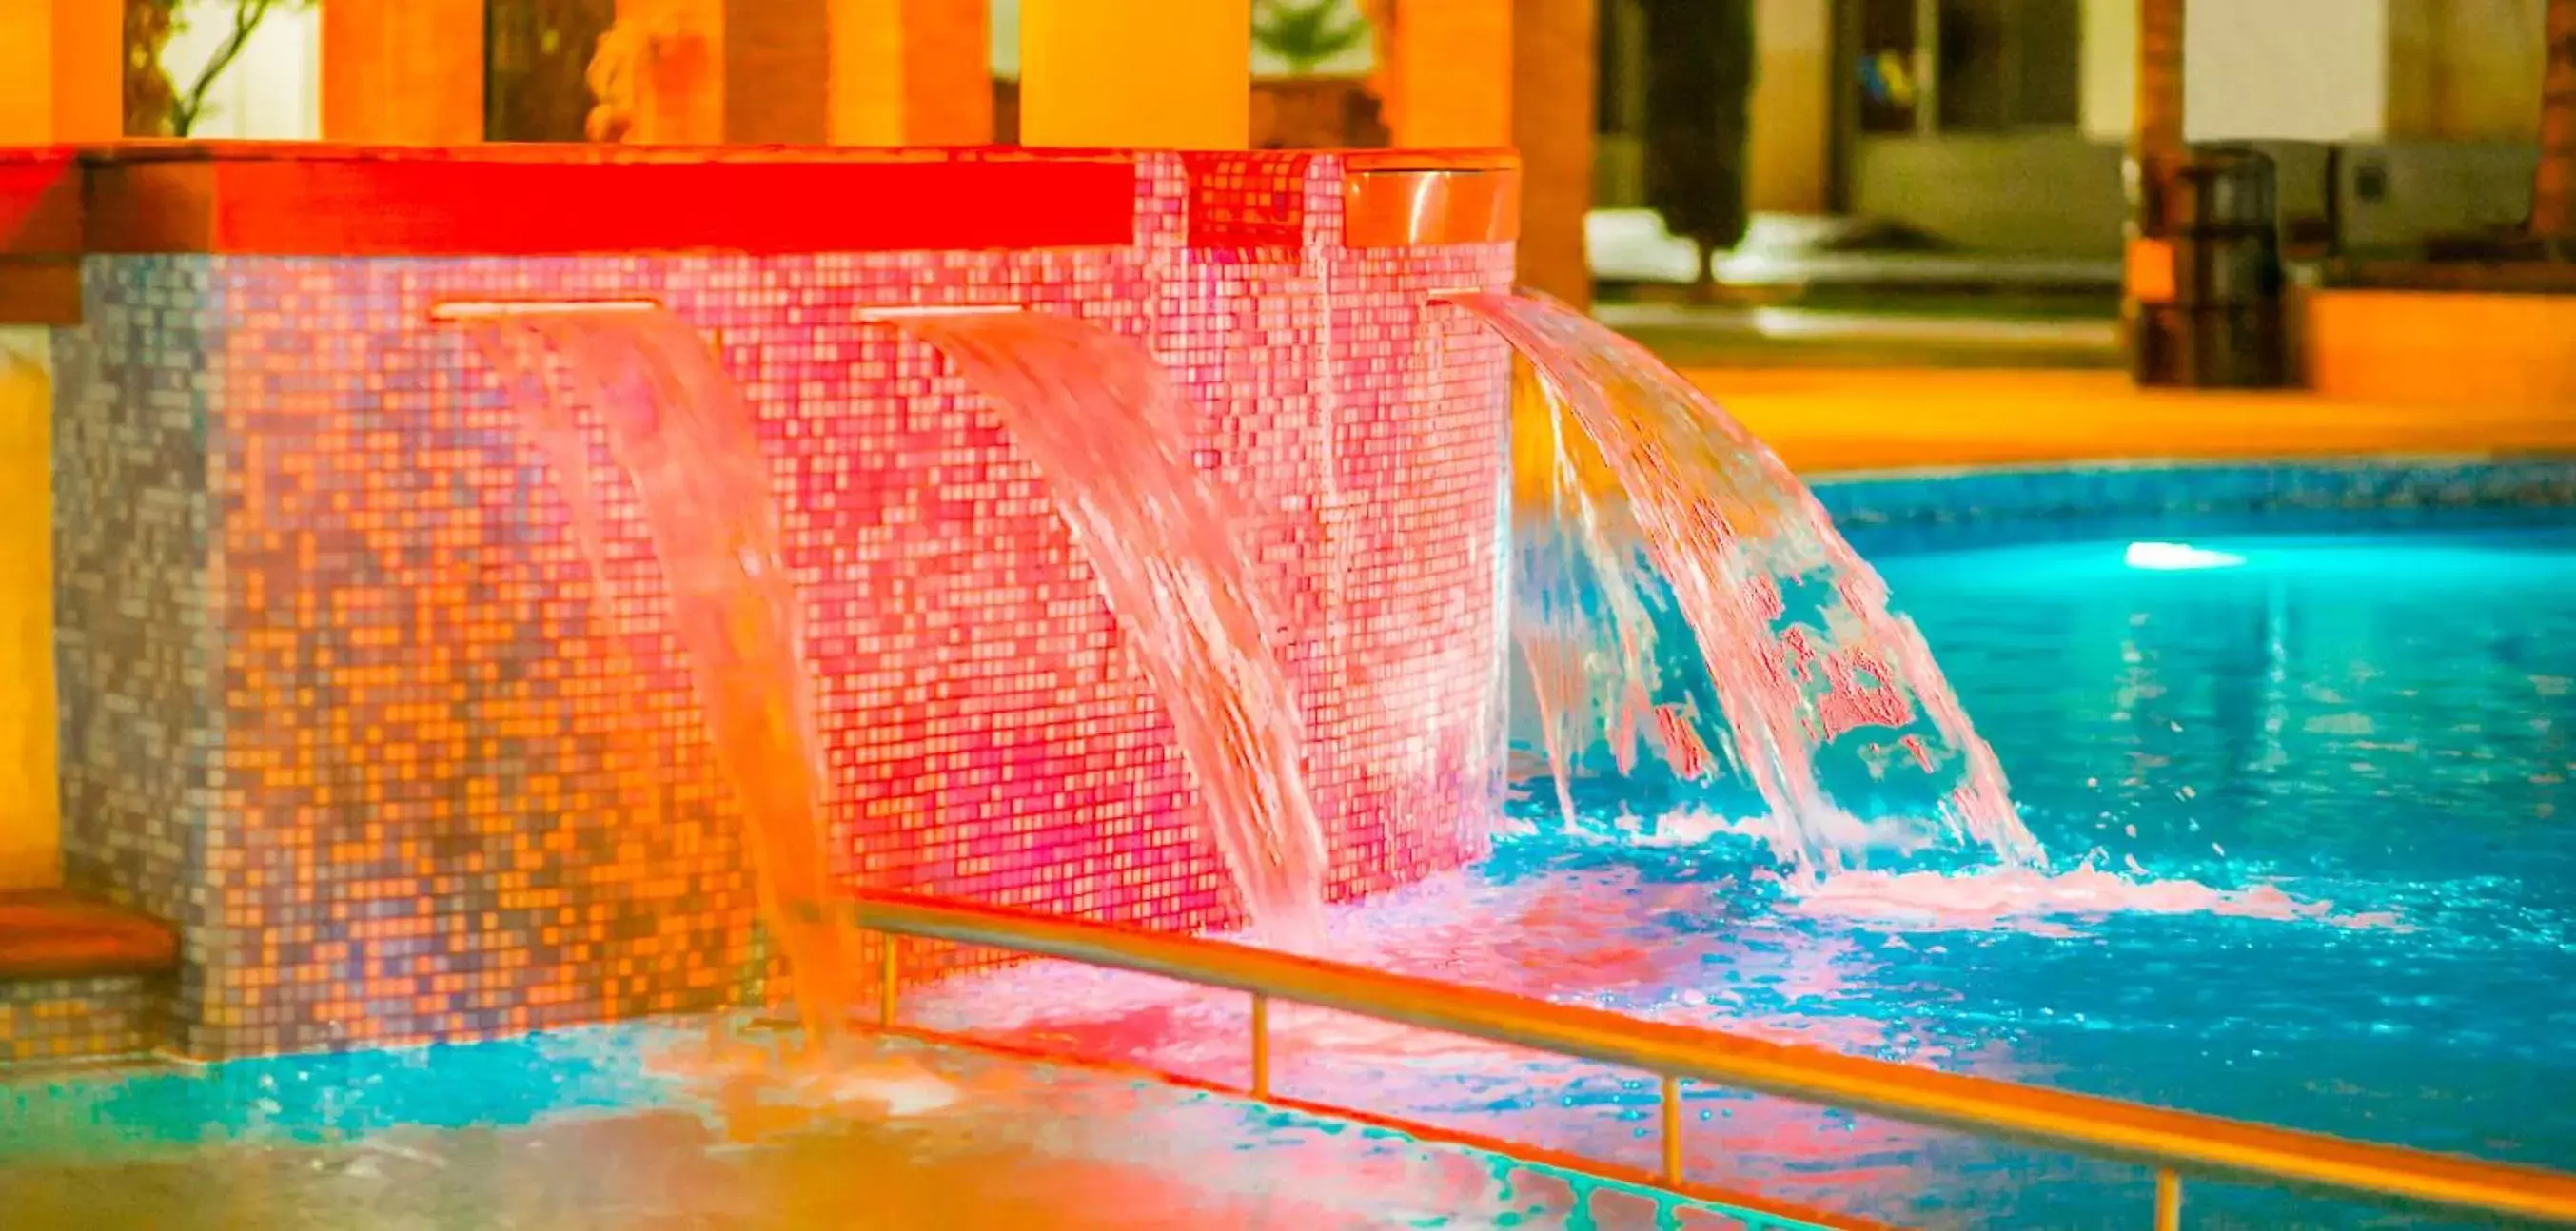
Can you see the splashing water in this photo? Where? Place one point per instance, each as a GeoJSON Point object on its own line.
{"type": "Point", "coordinates": [682, 432]}
{"type": "Point", "coordinates": [1792, 625]}
{"type": "Point", "coordinates": [1103, 421]}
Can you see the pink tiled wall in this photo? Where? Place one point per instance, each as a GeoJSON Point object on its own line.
{"type": "Point", "coordinates": [402, 771]}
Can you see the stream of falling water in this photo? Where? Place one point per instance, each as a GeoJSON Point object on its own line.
{"type": "Point", "coordinates": [1112, 434]}
{"type": "Point", "coordinates": [681, 430]}
{"type": "Point", "coordinates": [1792, 625]}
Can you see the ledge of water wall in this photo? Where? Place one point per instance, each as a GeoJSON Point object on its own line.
{"type": "Point", "coordinates": [338, 694]}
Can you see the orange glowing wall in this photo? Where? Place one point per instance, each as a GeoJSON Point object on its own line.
{"type": "Point", "coordinates": [59, 78]}
{"type": "Point", "coordinates": [30, 826]}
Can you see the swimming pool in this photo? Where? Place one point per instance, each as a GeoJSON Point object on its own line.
{"type": "Point", "coordinates": [2338, 760]}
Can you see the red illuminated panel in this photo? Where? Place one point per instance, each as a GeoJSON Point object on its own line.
{"type": "Point", "coordinates": [40, 238]}
{"type": "Point", "coordinates": [323, 200]}
{"type": "Point", "coordinates": [39, 204]}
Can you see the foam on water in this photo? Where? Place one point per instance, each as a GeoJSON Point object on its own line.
{"type": "Point", "coordinates": [2033, 899]}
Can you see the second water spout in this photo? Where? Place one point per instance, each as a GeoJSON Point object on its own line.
{"type": "Point", "coordinates": [1112, 434]}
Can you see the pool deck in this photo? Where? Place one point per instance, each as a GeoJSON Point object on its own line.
{"type": "Point", "coordinates": [1825, 421]}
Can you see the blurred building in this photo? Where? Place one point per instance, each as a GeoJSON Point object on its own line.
{"type": "Point", "coordinates": [1999, 124]}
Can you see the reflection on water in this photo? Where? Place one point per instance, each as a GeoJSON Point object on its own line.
{"type": "Point", "coordinates": [2268, 934]}
{"type": "Point", "coordinates": [1033, 1146]}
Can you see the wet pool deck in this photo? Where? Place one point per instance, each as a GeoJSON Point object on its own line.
{"type": "Point", "coordinates": [1823, 421]}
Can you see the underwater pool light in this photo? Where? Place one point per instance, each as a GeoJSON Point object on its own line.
{"type": "Point", "coordinates": [2171, 557]}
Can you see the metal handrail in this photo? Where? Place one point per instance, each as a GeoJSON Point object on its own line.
{"type": "Point", "coordinates": [2174, 1143]}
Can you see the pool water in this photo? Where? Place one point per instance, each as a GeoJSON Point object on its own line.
{"type": "Point", "coordinates": [2319, 791]}
{"type": "Point", "coordinates": [644, 1127]}
{"type": "Point", "coordinates": [2336, 765]}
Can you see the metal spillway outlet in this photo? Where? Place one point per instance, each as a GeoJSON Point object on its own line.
{"type": "Point", "coordinates": [456, 311]}
{"type": "Point", "coordinates": [908, 312]}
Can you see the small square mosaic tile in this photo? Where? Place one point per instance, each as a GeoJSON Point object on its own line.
{"type": "Point", "coordinates": [51, 1021]}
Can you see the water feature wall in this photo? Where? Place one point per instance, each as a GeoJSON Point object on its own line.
{"type": "Point", "coordinates": [339, 699]}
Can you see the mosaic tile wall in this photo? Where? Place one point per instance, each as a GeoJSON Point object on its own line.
{"type": "Point", "coordinates": [89, 1018]}
{"type": "Point", "coordinates": [133, 611]}
{"type": "Point", "coordinates": [342, 701]}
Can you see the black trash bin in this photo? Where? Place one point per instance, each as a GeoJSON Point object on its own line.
{"type": "Point", "coordinates": [2204, 304]}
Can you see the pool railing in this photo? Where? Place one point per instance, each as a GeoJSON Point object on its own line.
{"type": "Point", "coordinates": [2174, 1144]}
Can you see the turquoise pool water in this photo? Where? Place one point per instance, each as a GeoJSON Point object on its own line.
{"type": "Point", "coordinates": [2324, 787]}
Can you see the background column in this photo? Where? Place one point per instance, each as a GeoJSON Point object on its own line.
{"type": "Point", "coordinates": [911, 72]}
{"type": "Point", "coordinates": [1140, 73]}
{"type": "Point", "coordinates": [1552, 103]}
{"type": "Point", "coordinates": [61, 80]}
{"type": "Point", "coordinates": [401, 72]}
{"type": "Point", "coordinates": [61, 71]}
{"type": "Point", "coordinates": [1453, 65]}
{"type": "Point", "coordinates": [30, 784]}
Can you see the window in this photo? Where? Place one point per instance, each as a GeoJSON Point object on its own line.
{"type": "Point", "coordinates": [2008, 64]}
{"type": "Point", "coordinates": [537, 53]}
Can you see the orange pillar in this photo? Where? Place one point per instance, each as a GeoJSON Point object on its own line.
{"type": "Point", "coordinates": [1453, 65]}
{"type": "Point", "coordinates": [61, 71]}
{"type": "Point", "coordinates": [1553, 63]}
{"type": "Point", "coordinates": [1173, 74]}
{"type": "Point", "coordinates": [911, 72]}
{"type": "Point", "coordinates": [30, 806]}
{"type": "Point", "coordinates": [401, 72]}
{"type": "Point", "coordinates": [61, 80]}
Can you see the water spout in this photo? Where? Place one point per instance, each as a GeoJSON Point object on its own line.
{"type": "Point", "coordinates": [1113, 436]}
{"type": "Point", "coordinates": [914, 312]}
{"type": "Point", "coordinates": [680, 430]}
{"type": "Point", "coordinates": [1792, 627]}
